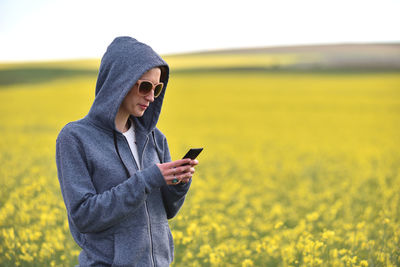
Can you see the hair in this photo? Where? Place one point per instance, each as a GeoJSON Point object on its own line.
{"type": "Point", "coordinates": [164, 73]}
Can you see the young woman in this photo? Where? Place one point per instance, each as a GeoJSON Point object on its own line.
{"type": "Point", "coordinates": [114, 166]}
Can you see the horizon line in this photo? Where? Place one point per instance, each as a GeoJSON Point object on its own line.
{"type": "Point", "coordinates": [212, 50]}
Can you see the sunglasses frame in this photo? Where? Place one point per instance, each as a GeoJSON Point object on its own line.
{"type": "Point", "coordinates": [139, 82]}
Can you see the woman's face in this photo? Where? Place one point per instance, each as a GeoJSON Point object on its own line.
{"type": "Point", "coordinates": [136, 104]}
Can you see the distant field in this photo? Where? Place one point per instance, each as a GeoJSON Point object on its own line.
{"type": "Point", "coordinates": [299, 168]}
{"type": "Point", "coordinates": [328, 58]}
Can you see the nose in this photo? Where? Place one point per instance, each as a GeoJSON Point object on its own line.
{"type": "Point", "coordinates": [150, 96]}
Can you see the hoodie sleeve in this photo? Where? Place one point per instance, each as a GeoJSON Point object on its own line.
{"type": "Point", "coordinates": [92, 212]}
{"type": "Point", "coordinates": [173, 195]}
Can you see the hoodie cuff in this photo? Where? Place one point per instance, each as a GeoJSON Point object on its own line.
{"type": "Point", "coordinates": [153, 178]}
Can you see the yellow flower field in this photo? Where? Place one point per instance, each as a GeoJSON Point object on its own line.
{"type": "Point", "coordinates": [298, 169]}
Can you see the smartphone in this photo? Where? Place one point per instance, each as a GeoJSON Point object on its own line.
{"type": "Point", "coordinates": [193, 153]}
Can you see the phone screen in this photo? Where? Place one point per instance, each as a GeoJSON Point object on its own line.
{"type": "Point", "coordinates": [193, 153]}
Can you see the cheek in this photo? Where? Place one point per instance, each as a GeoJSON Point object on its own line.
{"type": "Point", "coordinates": [134, 96]}
{"type": "Point", "coordinates": [131, 98]}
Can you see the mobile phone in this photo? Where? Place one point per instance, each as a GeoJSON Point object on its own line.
{"type": "Point", "coordinates": [192, 153]}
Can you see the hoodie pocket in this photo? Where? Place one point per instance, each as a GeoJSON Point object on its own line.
{"type": "Point", "coordinates": [100, 247]}
{"type": "Point", "coordinates": [164, 245]}
{"type": "Point", "coordinates": [132, 247]}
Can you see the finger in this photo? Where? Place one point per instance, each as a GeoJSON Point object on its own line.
{"type": "Point", "coordinates": [171, 172]}
{"type": "Point", "coordinates": [186, 175]}
{"type": "Point", "coordinates": [178, 170]}
{"type": "Point", "coordinates": [188, 171]}
{"type": "Point", "coordinates": [183, 169]}
{"type": "Point", "coordinates": [194, 162]}
{"type": "Point", "coordinates": [186, 180]}
{"type": "Point", "coordinates": [179, 162]}
{"type": "Point", "coordinates": [172, 177]}
{"type": "Point", "coordinates": [173, 180]}
{"type": "Point", "coordinates": [168, 165]}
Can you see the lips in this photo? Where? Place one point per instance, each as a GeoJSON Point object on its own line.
{"type": "Point", "coordinates": [143, 106]}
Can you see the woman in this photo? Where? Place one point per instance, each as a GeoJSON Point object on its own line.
{"type": "Point", "coordinates": [114, 167]}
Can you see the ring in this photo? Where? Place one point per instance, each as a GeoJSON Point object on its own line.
{"type": "Point", "coordinates": [175, 181]}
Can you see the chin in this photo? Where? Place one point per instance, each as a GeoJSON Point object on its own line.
{"type": "Point", "coordinates": [138, 114]}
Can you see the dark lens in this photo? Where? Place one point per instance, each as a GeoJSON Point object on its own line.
{"type": "Point", "coordinates": [158, 89]}
{"type": "Point", "coordinates": [145, 87]}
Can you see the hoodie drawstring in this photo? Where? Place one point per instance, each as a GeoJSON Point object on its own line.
{"type": "Point", "coordinates": [116, 148]}
{"type": "Point", "coordinates": [155, 144]}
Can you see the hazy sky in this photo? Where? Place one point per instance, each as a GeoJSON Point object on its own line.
{"type": "Point", "coordinates": [58, 29]}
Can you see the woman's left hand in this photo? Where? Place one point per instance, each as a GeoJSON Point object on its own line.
{"type": "Point", "coordinates": [180, 170]}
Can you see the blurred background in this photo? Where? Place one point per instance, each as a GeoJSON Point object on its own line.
{"type": "Point", "coordinates": [82, 29]}
{"type": "Point", "coordinates": [296, 104]}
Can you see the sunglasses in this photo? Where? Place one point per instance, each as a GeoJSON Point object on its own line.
{"type": "Point", "coordinates": [145, 87]}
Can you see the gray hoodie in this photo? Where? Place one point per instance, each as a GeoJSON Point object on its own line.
{"type": "Point", "coordinates": [118, 214]}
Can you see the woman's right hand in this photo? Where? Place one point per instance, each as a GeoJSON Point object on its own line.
{"type": "Point", "coordinates": [182, 170]}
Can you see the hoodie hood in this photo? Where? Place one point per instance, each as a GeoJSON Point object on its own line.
{"type": "Point", "coordinates": [124, 62]}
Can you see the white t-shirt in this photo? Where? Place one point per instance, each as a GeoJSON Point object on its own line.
{"type": "Point", "coordinates": [131, 138]}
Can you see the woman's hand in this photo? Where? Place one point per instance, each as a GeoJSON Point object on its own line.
{"type": "Point", "coordinates": [181, 170]}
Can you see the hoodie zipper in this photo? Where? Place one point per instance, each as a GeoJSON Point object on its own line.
{"type": "Point", "coordinates": [147, 209]}
{"type": "Point", "coordinates": [145, 203]}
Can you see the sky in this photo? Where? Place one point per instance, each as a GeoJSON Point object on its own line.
{"type": "Point", "coordinates": [70, 29]}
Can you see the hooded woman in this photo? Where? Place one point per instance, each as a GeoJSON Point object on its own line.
{"type": "Point", "coordinates": [114, 166]}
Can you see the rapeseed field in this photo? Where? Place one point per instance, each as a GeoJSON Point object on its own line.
{"type": "Point", "coordinates": [298, 169]}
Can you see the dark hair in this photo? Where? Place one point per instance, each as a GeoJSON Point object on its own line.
{"type": "Point", "coordinates": [164, 73]}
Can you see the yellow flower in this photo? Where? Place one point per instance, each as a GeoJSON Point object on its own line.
{"type": "Point", "coordinates": [247, 263]}
{"type": "Point", "coordinates": [278, 225]}
{"type": "Point", "coordinates": [312, 216]}
{"type": "Point", "coordinates": [214, 259]}
{"type": "Point", "coordinates": [204, 250]}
